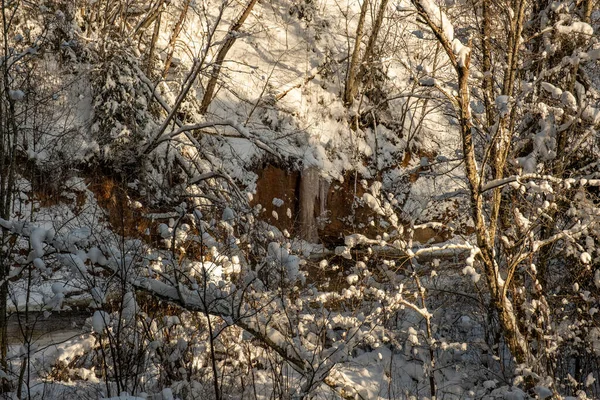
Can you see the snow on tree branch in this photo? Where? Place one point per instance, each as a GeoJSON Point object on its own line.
{"type": "Point", "coordinates": [443, 29]}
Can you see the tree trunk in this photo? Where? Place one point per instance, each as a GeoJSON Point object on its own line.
{"type": "Point", "coordinates": [8, 140]}
{"type": "Point", "coordinates": [150, 17]}
{"type": "Point", "coordinates": [502, 138]}
{"type": "Point", "coordinates": [514, 339]}
{"type": "Point", "coordinates": [4, 386]}
{"type": "Point", "coordinates": [223, 50]}
{"type": "Point", "coordinates": [351, 81]}
{"type": "Point", "coordinates": [174, 37]}
{"type": "Point", "coordinates": [588, 6]}
{"type": "Point", "coordinates": [153, 44]}
{"type": "Point", "coordinates": [369, 55]}
{"type": "Point", "coordinates": [486, 49]}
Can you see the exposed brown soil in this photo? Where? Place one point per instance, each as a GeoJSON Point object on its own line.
{"type": "Point", "coordinates": [339, 212]}
{"type": "Point", "coordinates": [113, 198]}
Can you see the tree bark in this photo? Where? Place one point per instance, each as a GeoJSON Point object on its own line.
{"type": "Point", "coordinates": [588, 6]}
{"type": "Point", "coordinates": [174, 37]}
{"type": "Point", "coordinates": [351, 81]}
{"type": "Point", "coordinates": [153, 44]}
{"type": "Point", "coordinates": [147, 21]}
{"type": "Point", "coordinates": [8, 140]}
{"type": "Point", "coordinates": [223, 50]}
{"type": "Point", "coordinates": [4, 385]}
{"type": "Point", "coordinates": [501, 145]}
{"type": "Point", "coordinates": [486, 47]}
{"type": "Point", "coordinates": [499, 300]}
{"type": "Point", "coordinates": [369, 55]}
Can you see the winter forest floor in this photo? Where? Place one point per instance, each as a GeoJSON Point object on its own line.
{"type": "Point", "coordinates": [299, 199]}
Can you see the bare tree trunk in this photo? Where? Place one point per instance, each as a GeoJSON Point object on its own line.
{"type": "Point", "coordinates": [153, 44]}
{"type": "Point", "coordinates": [4, 384]}
{"type": "Point", "coordinates": [351, 81]}
{"type": "Point", "coordinates": [8, 140]}
{"type": "Point", "coordinates": [174, 37]}
{"type": "Point", "coordinates": [150, 17]}
{"type": "Point", "coordinates": [3, 256]}
{"type": "Point", "coordinates": [588, 6]}
{"type": "Point", "coordinates": [369, 55]}
{"type": "Point", "coordinates": [500, 301]}
{"type": "Point", "coordinates": [223, 50]}
{"type": "Point", "coordinates": [186, 87]}
{"type": "Point", "coordinates": [501, 143]}
{"type": "Point", "coordinates": [498, 288]}
{"type": "Point", "coordinates": [486, 46]}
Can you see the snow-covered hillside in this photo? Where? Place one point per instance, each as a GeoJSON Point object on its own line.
{"type": "Point", "coordinates": [311, 199]}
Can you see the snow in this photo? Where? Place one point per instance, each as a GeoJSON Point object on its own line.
{"type": "Point", "coordinates": [79, 235]}
{"type": "Point", "coordinates": [228, 214]}
{"type": "Point", "coordinates": [16, 95]}
{"type": "Point", "coordinates": [568, 99]}
{"type": "Point", "coordinates": [591, 114]}
{"type": "Point", "coordinates": [39, 264]}
{"type": "Point", "coordinates": [507, 393]}
{"type": "Point", "coordinates": [357, 239]}
{"type": "Point", "coordinates": [543, 392]}
{"type": "Point", "coordinates": [585, 257]}
{"type": "Point", "coordinates": [343, 251]}
{"type": "Point", "coordinates": [74, 263]}
{"type": "Point", "coordinates": [528, 163]}
{"type": "Point", "coordinates": [329, 326]}
{"type": "Point", "coordinates": [428, 81]}
{"type": "Point", "coordinates": [96, 256]}
{"type": "Point", "coordinates": [37, 237]}
{"type": "Point", "coordinates": [281, 256]}
{"type": "Point", "coordinates": [576, 27]}
{"type": "Point", "coordinates": [461, 52]}
{"type": "Point", "coordinates": [100, 321]}
{"type": "Point", "coordinates": [489, 384]}
{"type": "Point", "coordinates": [592, 55]}
{"type": "Point", "coordinates": [213, 271]}
{"type": "Point", "coordinates": [553, 90]}
{"type": "Point", "coordinates": [164, 231]}
{"type": "Point", "coordinates": [589, 380]}
{"type": "Point", "coordinates": [58, 288]}
{"type": "Point", "coordinates": [470, 271]}
{"type": "Point", "coordinates": [373, 203]}
{"type": "Point", "coordinates": [502, 104]}
{"type": "Point", "coordinates": [439, 18]}
{"type": "Point", "coordinates": [98, 296]}
{"type": "Point", "coordinates": [352, 279]}
{"type": "Point", "coordinates": [130, 307]}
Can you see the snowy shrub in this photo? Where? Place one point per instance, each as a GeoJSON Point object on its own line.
{"type": "Point", "coordinates": [122, 118]}
{"type": "Point", "coordinates": [468, 130]}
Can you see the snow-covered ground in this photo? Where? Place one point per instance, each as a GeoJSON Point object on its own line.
{"type": "Point", "coordinates": [183, 293]}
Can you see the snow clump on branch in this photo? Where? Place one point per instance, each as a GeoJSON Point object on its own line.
{"type": "Point", "coordinates": [439, 18]}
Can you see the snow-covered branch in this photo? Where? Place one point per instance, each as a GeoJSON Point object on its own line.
{"type": "Point", "coordinates": [242, 131]}
{"type": "Point", "coordinates": [446, 250]}
{"type": "Point", "coordinates": [208, 299]}
{"type": "Point", "coordinates": [518, 178]}
{"type": "Point", "coordinates": [442, 28]}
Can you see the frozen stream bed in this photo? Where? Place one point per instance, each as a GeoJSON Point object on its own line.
{"type": "Point", "coordinates": [54, 328]}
